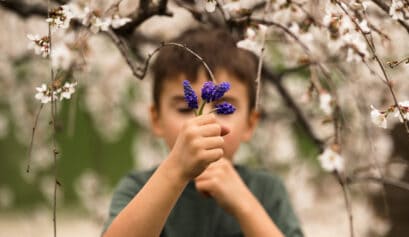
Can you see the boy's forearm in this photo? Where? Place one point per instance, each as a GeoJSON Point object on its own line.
{"type": "Point", "coordinates": [147, 212]}
{"type": "Point", "coordinates": [254, 220]}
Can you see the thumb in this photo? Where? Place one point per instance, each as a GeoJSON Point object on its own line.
{"type": "Point", "coordinates": [225, 130]}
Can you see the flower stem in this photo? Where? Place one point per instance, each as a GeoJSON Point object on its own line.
{"type": "Point", "coordinates": [200, 112]}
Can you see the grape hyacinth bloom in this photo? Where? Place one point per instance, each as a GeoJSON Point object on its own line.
{"type": "Point", "coordinates": [210, 92]}
{"type": "Point", "coordinates": [225, 108]}
{"type": "Point", "coordinates": [220, 90]}
{"type": "Point", "coordinates": [190, 96]}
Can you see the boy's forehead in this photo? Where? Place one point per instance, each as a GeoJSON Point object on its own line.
{"type": "Point", "coordinates": [172, 87]}
{"type": "Point", "coordinates": [175, 83]}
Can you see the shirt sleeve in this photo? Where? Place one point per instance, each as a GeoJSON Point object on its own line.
{"type": "Point", "coordinates": [124, 193]}
{"type": "Point", "coordinates": [278, 206]}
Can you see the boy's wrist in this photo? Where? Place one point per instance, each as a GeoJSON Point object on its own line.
{"type": "Point", "coordinates": [246, 206]}
{"type": "Point", "coordinates": [173, 171]}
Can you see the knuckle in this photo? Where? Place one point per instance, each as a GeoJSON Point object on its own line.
{"type": "Point", "coordinates": [195, 144]}
{"type": "Point", "coordinates": [190, 132]}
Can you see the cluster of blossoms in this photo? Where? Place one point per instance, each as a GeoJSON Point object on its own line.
{"type": "Point", "coordinates": [97, 23]}
{"type": "Point", "coordinates": [253, 40]}
{"type": "Point", "coordinates": [343, 32]}
{"type": "Point", "coordinates": [253, 34]}
{"type": "Point", "coordinates": [399, 10]}
{"type": "Point", "coordinates": [40, 45]}
{"type": "Point", "coordinates": [45, 93]}
{"type": "Point", "coordinates": [331, 160]}
{"type": "Point", "coordinates": [60, 17]}
{"type": "Point", "coordinates": [210, 92]}
{"type": "Point", "coordinates": [379, 118]}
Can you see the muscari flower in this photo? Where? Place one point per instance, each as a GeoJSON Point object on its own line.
{"type": "Point", "coordinates": [225, 108]}
{"type": "Point", "coordinates": [190, 96]}
{"type": "Point", "coordinates": [210, 92]}
{"type": "Point", "coordinates": [220, 90]}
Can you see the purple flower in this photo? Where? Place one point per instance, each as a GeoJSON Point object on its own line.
{"type": "Point", "coordinates": [225, 108]}
{"type": "Point", "coordinates": [190, 96]}
{"type": "Point", "coordinates": [220, 90]}
{"type": "Point", "coordinates": [208, 90]}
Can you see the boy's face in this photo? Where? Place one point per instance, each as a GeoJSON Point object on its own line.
{"type": "Point", "coordinates": [174, 111]}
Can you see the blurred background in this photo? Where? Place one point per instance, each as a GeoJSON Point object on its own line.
{"type": "Point", "coordinates": [103, 132]}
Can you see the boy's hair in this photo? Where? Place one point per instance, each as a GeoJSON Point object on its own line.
{"type": "Point", "coordinates": [217, 48]}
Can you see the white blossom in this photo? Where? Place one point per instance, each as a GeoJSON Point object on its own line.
{"type": "Point", "coordinates": [378, 118]}
{"type": "Point", "coordinates": [250, 45]}
{"type": "Point", "coordinates": [61, 57]}
{"type": "Point", "coordinates": [232, 7]}
{"type": "Point", "coordinates": [405, 111]}
{"type": "Point", "coordinates": [117, 21]}
{"type": "Point", "coordinates": [100, 24]}
{"type": "Point", "coordinates": [44, 94]}
{"type": "Point", "coordinates": [331, 161]}
{"type": "Point", "coordinates": [326, 103]}
{"type": "Point", "coordinates": [67, 90]}
{"type": "Point", "coordinates": [364, 26]}
{"type": "Point", "coordinates": [396, 10]}
{"type": "Point", "coordinates": [40, 45]}
{"type": "Point", "coordinates": [252, 41]}
{"type": "Point", "coordinates": [77, 11]}
{"type": "Point", "coordinates": [210, 5]}
{"type": "Point", "coordinates": [60, 17]}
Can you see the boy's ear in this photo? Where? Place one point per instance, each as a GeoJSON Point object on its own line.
{"type": "Point", "coordinates": [154, 119]}
{"type": "Point", "coordinates": [252, 123]}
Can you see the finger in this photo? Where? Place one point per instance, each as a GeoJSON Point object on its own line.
{"type": "Point", "coordinates": [205, 187]}
{"type": "Point", "coordinates": [225, 130]}
{"type": "Point", "coordinates": [213, 154]}
{"type": "Point", "coordinates": [209, 143]}
{"type": "Point", "coordinates": [205, 119]}
{"type": "Point", "coordinates": [206, 174]}
{"type": "Point", "coordinates": [210, 130]}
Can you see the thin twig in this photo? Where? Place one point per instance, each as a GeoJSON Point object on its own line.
{"type": "Point", "coordinates": [260, 59]}
{"type": "Point", "coordinates": [123, 49]}
{"type": "Point", "coordinates": [172, 44]}
{"type": "Point", "coordinates": [54, 128]}
{"type": "Point", "coordinates": [347, 203]}
{"type": "Point", "coordinates": [384, 180]}
{"type": "Point", "coordinates": [385, 8]}
{"type": "Point", "coordinates": [30, 149]}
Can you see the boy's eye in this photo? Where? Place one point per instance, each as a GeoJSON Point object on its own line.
{"type": "Point", "coordinates": [185, 110]}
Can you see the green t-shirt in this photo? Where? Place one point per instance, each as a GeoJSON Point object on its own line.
{"type": "Point", "coordinates": [197, 216]}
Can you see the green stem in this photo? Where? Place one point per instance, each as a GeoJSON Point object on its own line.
{"type": "Point", "coordinates": [200, 112]}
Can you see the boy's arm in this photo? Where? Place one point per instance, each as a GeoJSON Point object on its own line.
{"type": "Point", "coordinates": [198, 144]}
{"type": "Point", "coordinates": [221, 181]}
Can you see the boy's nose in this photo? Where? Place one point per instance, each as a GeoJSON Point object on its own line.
{"type": "Point", "coordinates": [207, 108]}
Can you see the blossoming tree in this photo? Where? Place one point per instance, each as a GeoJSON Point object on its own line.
{"type": "Point", "coordinates": [339, 67]}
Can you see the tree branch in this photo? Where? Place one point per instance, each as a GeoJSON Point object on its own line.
{"type": "Point", "coordinates": [385, 8]}
{"type": "Point", "coordinates": [276, 80]}
{"type": "Point", "coordinates": [23, 9]}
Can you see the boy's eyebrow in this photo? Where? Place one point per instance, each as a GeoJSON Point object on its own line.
{"type": "Point", "coordinates": [177, 98]}
{"type": "Point", "coordinates": [229, 99]}
{"type": "Point", "coordinates": [181, 98]}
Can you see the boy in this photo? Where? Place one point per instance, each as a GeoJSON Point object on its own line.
{"type": "Point", "coordinates": [197, 191]}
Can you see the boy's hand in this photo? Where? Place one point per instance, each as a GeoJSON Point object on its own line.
{"type": "Point", "coordinates": [198, 144]}
{"type": "Point", "coordinates": [221, 181]}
